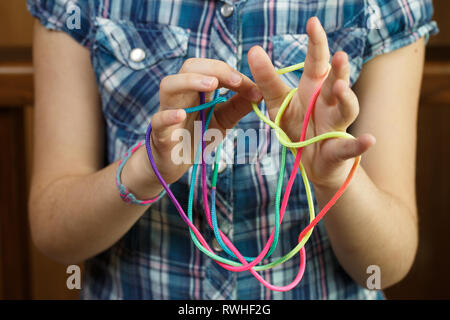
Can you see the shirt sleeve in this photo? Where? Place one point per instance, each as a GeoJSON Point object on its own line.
{"type": "Point", "coordinates": [70, 16]}
{"type": "Point", "coordinates": [394, 24]}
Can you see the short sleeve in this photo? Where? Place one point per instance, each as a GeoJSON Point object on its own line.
{"type": "Point", "coordinates": [70, 16]}
{"type": "Point", "coordinates": [394, 24]}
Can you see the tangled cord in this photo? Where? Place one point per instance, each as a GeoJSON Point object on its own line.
{"type": "Point", "coordinates": [250, 263]}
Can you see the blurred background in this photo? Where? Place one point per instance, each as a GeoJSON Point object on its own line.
{"type": "Point", "coordinates": [27, 274]}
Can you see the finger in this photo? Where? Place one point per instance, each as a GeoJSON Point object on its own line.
{"type": "Point", "coordinates": [267, 79]}
{"type": "Point", "coordinates": [347, 107]}
{"type": "Point", "coordinates": [340, 70]}
{"type": "Point", "coordinates": [185, 82]}
{"type": "Point", "coordinates": [345, 149]}
{"type": "Point", "coordinates": [226, 75]}
{"type": "Point", "coordinates": [318, 54]}
{"type": "Point", "coordinates": [163, 123]}
{"type": "Point", "coordinates": [171, 87]}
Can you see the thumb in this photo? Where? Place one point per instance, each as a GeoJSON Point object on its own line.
{"type": "Point", "coordinates": [273, 89]}
{"type": "Point", "coordinates": [344, 149]}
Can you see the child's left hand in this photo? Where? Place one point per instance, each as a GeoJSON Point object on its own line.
{"type": "Point", "coordinates": [336, 107]}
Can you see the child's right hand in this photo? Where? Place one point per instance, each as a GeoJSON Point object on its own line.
{"type": "Point", "coordinates": [181, 91]}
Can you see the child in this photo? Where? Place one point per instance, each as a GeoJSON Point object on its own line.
{"type": "Point", "coordinates": [118, 64]}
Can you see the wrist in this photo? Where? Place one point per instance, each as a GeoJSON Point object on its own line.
{"type": "Point", "coordinates": [139, 177]}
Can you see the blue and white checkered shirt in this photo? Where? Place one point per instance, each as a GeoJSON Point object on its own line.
{"type": "Point", "coordinates": [156, 259]}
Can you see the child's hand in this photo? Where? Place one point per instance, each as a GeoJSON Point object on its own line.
{"type": "Point", "coordinates": [181, 91]}
{"type": "Point", "coordinates": [336, 108]}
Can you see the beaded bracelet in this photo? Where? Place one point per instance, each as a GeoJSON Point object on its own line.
{"type": "Point", "coordinates": [125, 194]}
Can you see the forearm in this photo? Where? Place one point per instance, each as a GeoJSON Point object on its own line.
{"type": "Point", "coordinates": [76, 217]}
{"type": "Point", "coordinates": [369, 226]}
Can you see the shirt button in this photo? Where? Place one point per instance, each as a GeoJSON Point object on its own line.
{"type": "Point", "coordinates": [226, 10]}
{"type": "Point", "coordinates": [137, 55]}
{"type": "Point", "coordinates": [216, 246]}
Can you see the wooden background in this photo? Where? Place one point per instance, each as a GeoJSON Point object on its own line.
{"type": "Point", "coordinates": [26, 273]}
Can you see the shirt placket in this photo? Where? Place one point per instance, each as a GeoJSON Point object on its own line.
{"type": "Point", "coordinates": [220, 283]}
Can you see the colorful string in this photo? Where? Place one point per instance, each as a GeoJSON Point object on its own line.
{"type": "Point", "coordinates": [124, 193]}
{"type": "Point", "coordinates": [250, 263]}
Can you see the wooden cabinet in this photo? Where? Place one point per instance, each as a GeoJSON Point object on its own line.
{"type": "Point", "coordinates": [25, 273]}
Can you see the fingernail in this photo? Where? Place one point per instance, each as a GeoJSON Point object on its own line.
{"type": "Point", "coordinates": [255, 94]}
{"type": "Point", "coordinates": [208, 81]}
{"type": "Point", "coordinates": [176, 115]}
{"type": "Point", "coordinates": [235, 78]}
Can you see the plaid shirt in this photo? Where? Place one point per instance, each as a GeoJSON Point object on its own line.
{"type": "Point", "coordinates": [156, 259]}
